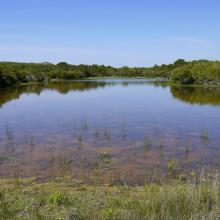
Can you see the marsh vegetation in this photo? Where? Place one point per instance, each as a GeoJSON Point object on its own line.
{"type": "Point", "coordinates": [70, 199]}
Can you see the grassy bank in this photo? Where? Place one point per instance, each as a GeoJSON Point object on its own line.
{"type": "Point", "coordinates": [68, 199]}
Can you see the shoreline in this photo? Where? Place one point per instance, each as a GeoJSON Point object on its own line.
{"type": "Point", "coordinates": [151, 79]}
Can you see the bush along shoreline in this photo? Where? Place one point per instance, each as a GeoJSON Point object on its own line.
{"type": "Point", "coordinates": [201, 72]}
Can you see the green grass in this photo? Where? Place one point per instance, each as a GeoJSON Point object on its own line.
{"type": "Point", "coordinates": [68, 199]}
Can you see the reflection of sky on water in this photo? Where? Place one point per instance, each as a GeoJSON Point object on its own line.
{"type": "Point", "coordinates": [137, 108]}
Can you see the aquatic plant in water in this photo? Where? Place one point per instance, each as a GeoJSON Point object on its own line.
{"type": "Point", "coordinates": [205, 134]}
{"type": "Point", "coordinates": [147, 143]}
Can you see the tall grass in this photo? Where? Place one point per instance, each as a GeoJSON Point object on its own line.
{"type": "Point", "coordinates": [65, 199]}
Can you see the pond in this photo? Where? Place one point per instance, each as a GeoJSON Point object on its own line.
{"type": "Point", "coordinates": [112, 130]}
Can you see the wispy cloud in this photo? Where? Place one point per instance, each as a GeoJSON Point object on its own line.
{"type": "Point", "coordinates": [107, 56]}
{"type": "Point", "coordinates": [50, 50]}
{"type": "Point", "coordinates": [67, 51]}
{"type": "Point", "coordinates": [191, 41]}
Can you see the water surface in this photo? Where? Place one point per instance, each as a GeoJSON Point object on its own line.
{"type": "Point", "coordinates": [122, 129]}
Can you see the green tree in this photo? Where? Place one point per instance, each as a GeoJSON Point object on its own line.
{"type": "Point", "coordinates": [179, 62]}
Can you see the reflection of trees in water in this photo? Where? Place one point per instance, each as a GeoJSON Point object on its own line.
{"type": "Point", "coordinates": [9, 94]}
{"type": "Point", "coordinates": [193, 95]}
{"type": "Point", "coordinates": [197, 95]}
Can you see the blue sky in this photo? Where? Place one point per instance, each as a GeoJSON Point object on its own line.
{"type": "Point", "coordinates": [110, 32]}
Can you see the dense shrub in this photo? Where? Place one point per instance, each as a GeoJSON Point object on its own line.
{"type": "Point", "coordinates": [184, 76]}
{"type": "Point", "coordinates": [197, 72]}
{"type": "Point", "coordinates": [180, 71]}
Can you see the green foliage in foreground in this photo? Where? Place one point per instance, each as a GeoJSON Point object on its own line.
{"type": "Point", "coordinates": [183, 72]}
{"type": "Point", "coordinates": [64, 199]}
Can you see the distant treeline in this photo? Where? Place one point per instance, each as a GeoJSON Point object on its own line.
{"type": "Point", "coordinates": [195, 72]}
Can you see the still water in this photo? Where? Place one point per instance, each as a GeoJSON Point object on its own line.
{"type": "Point", "coordinates": [107, 129]}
